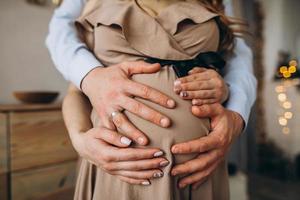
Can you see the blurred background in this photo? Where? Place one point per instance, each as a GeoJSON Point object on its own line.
{"type": "Point", "coordinates": [36, 157]}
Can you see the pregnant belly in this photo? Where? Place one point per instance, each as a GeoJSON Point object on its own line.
{"type": "Point", "coordinates": [185, 126]}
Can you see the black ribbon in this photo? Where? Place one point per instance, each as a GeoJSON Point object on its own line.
{"type": "Point", "coordinates": [209, 60]}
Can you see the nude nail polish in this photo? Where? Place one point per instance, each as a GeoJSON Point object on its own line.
{"type": "Point", "coordinates": [125, 140]}
{"type": "Point", "coordinates": [183, 94]}
{"type": "Point", "coordinates": [158, 175]}
{"type": "Point", "coordinates": [164, 163]}
{"type": "Point", "coordinates": [146, 183]}
{"type": "Point", "coordinates": [171, 103]}
{"type": "Point", "coordinates": [158, 154]}
{"type": "Point", "coordinates": [141, 140]}
{"type": "Point", "coordinates": [164, 122]}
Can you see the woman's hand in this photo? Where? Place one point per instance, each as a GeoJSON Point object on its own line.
{"type": "Point", "coordinates": [106, 149]}
{"type": "Point", "coordinates": [110, 89]}
{"type": "Point", "coordinates": [202, 86]}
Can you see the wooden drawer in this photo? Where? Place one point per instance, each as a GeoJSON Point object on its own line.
{"type": "Point", "coordinates": [3, 144]}
{"type": "Point", "coordinates": [36, 184]}
{"type": "Point", "coordinates": [3, 187]}
{"type": "Point", "coordinates": [37, 139]}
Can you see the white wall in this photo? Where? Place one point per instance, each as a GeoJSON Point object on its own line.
{"type": "Point", "coordinates": [24, 59]}
{"type": "Point", "coordinates": [282, 31]}
{"type": "Point", "coordinates": [282, 27]}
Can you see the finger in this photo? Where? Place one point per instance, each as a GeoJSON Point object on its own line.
{"type": "Point", "coordinates": [128, 129]}
{"type": "Point", "coordinates": [200, 94]}
{"type": "Point", "coordinates": [197, 70]}
{"type": "Point", "coordinates": [208, 110]}
{"type": "Point", "coordinates": [146, 92]}
{"type": "Point", "coordinates": [145, 112]}
{"type": "Point", "coordinates": [114, 154]}
{"type": "Point", "coordinates": [145, 174]}
{"type": "Point", "coordinates": [200, 102]}
{"type": "Point", "coordinates": [196, 85]}
{"type": "Point", "coordinates": [132, 181]}
{"type": "Point", "coordinates": [106, 121]}
{"type": "Point", "coordinates": [193, 77]}
{"type": "Point", "coordinates": [137, 165]}
{"type": "Point", "coordinates": [200, 176]}
{"type": "Point", "coordinates": [199, 145]}
{"type": "Point", "coordinates": [112, 137]}
{"type": "Point", "coordinates": [202, 162]}
{"type": "Point", "coordinates": [139, 67]}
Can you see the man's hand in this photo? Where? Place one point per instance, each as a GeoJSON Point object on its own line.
{"type": "Point", "coordinates": [110, 89]}
{"type": "Point", "coordinates": [132, 165]}
{"type": "Point", "coordinates": [226, 125]}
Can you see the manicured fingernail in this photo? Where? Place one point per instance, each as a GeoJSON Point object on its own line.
{"type": "Point", "coordinates": [171, 103]}
{"type": "Point", "coordinates": [141, 140]}
{"type": "Point", "coordinates": [146, 183]}
{"type": "Point", "coordinates": [125, 140]}
{"type": "Point", "coordinates": [183, 94]}
{"type": "Point", "coordinates": [174, 149]}
{"type": "Point", "coordinates": [177, 83]}
{"type": "Point", "coordinates": [164, 163]}
{"type": "Point", "coordinates": [158, 174]}
{"type": "Point", "coordinates": [194, 102]}
{"type": "Point", "coordinates": [191, 71]}
{"type": "Point", "coordinates": [158, 154]}
{"type": "Point", "coordinates": [165, 122]}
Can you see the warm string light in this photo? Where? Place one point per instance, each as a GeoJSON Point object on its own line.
{"type": "Point", "coordinates": [286, 114]}
{"type": "Point", "coordinates": [288, 71]}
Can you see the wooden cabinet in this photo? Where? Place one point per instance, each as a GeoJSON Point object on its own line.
{"type": "Point", "coordinates": [36, 156]}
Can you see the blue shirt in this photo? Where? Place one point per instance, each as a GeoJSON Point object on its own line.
{"type": "Point", "coordinates": [73, 59]}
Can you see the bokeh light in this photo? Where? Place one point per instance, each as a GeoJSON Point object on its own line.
{"type": "Point", "coordinates": [285, 130]}
{"type": "Point", "coordinates": [282, 97]}
{"type": "Point", "coordinates": [288, 115]}
{"type": "Point", "coordinates": [282, 121]}
{"type": "Point", "coordinates": [287, 105]}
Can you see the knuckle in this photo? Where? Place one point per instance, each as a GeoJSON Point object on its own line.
{"type": "Point", "coordinates": [146, 91]}
{"type": "Point", "coordinates": [107, 166]}
{"type": "Point", "coordinates": [219, 82]}
{"type": "Point", "coordinates": [199, 84]}
{"type": "Point", "coordinates": [107, 158]}
{"type": "Point", "coordinates": [118, 120]}
{"type": "Point", "coordinates": [136, 107]}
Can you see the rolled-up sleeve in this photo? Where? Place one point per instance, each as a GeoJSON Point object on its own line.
{"type": "Point", "coordinates": [69, 54]}
{"type": "Point", "coordinates": [239, 75]}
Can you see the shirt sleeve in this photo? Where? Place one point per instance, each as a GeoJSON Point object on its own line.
{"type": "Point", "coordinates": [239, 75]}
{"type": "Point", "coordinates": [69, 54]}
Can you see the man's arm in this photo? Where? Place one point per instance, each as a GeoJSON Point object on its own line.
{"type": "Point", "coordinates": [239, 75]}
{"type": "Point", "coordinates": [69, 54]}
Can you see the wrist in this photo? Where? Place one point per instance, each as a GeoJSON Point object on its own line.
{"type": "Point", "coordinates": [88, 79]}
{"type": "Point", "coordinates": [239, 123]}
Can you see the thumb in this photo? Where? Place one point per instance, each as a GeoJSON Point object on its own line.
{"type": "Point", "coordinates": [207, 110]}
{"type": "Point", "coordinates": [139, 67]}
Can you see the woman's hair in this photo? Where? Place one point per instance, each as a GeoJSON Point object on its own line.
{"type": "Point", "coordinates": [226, 33]}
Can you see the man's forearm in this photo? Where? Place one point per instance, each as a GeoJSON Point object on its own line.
{"type": "Point", "coordinates": [76, 111]}
{"type": "Point", "coordinates": [69, 54]}
{"type": "Point", "coordinates": [239, 75]}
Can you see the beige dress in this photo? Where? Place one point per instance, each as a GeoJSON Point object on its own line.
{"type": "Point", "coordinates": [119, 30]}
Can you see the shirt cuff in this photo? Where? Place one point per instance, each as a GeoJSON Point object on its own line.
{"type": "Point", "coordinates": [237, 102]}
{"type": "Point", "coordinates": [82, 63]}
